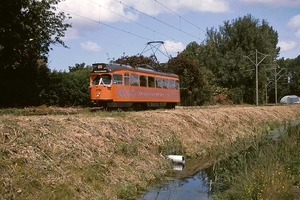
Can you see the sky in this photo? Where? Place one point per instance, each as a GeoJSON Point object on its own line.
{"type": "Point", "coordinates": [105, 30]}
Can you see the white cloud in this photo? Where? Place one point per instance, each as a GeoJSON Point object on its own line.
{"type": "Point", "coordinates": [298, 34]}
{"type": "Point", "coordinates": [97, 10]}
{"type": "Point", "coordinates": [154, 8]}
{"type": "Point", "coordinates": [273, 3]}
{"type": "Point", "coordinates": [174, 47]}
{"type": "Point", "coordinates": [294, 22]}
{"type": "Point", "coordinates": [90, 46]}
{"type": "Point", "coordinates": [214, 6]}
{"type": "Point", "coordinates": [287, 45]}
{"type": "Point", "coordinates": [71, 34]}
{"type": "Point", "coordinates": [86, 13]}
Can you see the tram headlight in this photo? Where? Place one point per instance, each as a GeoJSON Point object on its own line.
{"type": "Point", "coordinates": [98, 94]}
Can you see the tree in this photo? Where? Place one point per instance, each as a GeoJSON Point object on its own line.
{"type": "Point", "coordinates": [134, 61]}
{"type": "Point", "coordinates": [193, 85]}
{"type": "Point", "coordinates": [293, 67]}
{"type": "Point", "coordinates": [27, 29]}
{"type": "Point", "coordinates": [68, 88]}
{"type": "Point", "coordinates": [226, 48]}
{"type": "Point", "coordinates": [197, 53]}
{"type": "Point", "coordinates": [77, 67]}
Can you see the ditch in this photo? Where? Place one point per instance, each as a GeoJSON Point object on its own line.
{"type": "Point", "coordinates": [269, 166]}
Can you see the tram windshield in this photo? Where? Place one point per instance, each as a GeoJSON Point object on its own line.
{"type": "Point", "coordinates": [103, 79]}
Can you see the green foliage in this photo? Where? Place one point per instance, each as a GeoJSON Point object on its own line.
{"type": "Point", "coordinates": [22, 86]}
{"type": "Point", "coordinates": [172, 146]}
{"type": "Point", "coordinates": [27, 32]}
{"type": "Point", "coordinates": [237, 94]}
{"type": "Point", "coordinates": [192, 82]}
{"type": "Point", "coordinates": [267, 170]}
{"type": "Point", "coordinates": [134, 61]}
{"type": "Point", "coordinates": [126, 149]}
{"type": "Point", "coordinates": [68, 89]}
{"type": "Point", "coordinates": [127, 191]}
{"type": "Point", "coordinates": [77, 67]}
{"type": "Point", "coordinates": [293, 72]}
{"type": "Point", "coordinates": [219, 62]}
{"type": "Point", "coordinates": [224, 52]}
{"type": "Point", "coordinates": [29, 29]}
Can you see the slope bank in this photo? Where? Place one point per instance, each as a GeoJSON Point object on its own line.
{"type": "Point", "coordinates": [116, 155]}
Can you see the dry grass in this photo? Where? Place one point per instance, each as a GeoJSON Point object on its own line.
{"type": "Point", "coordinates": [76, 154]}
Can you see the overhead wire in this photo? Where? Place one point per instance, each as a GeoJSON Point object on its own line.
{"type": "Point", "coordinates": [104, 24]}
{"type": "Point", "coordinates": [137, 35]}
{"type": "Point", "coordinates": [154, 31]}
{"type": "Point", "coordinates": [191, 23]}
{"type": "Point", "coordinates": [178, 29]}
{"type": "Point", "coordinates": [113, 27]}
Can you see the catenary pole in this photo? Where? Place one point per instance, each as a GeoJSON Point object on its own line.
{"type": "Point", "coordinates": [256, 63]}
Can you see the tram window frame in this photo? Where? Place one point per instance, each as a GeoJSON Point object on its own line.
{"type": "Point", "coordinates": [159, 82]}
{"type": "Point", "coordinates": [165, 83]}
{"type": "Point", "coordinates": [151, 81]}
{"type": "Point", "coordinates": [126, 79]}
{"type": "Point", "coordinates": [117, 79]}
{"type": "Point", "coordinates": [143, 80]}
{"type": "Point", "coordinates": [172, 84]}
{"type": "Point", "coordinates": [134, 79]}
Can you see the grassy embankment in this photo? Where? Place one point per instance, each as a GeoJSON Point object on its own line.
{"type": "Point", "coordinates": [77, 154]}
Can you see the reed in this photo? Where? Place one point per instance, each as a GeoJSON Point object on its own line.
{"type": "Point", "coordinates": [269, 169]}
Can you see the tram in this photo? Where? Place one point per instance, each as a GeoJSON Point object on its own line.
{"type": "Point", "coordinates": [122, 86]}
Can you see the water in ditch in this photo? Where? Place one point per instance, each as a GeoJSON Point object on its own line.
{"type": "Point", "coordinates": [188, 183]}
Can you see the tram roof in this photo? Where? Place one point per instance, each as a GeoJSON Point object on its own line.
{"type": "Point", "coordinates": [111, 67]}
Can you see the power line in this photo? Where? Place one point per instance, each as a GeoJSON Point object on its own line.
{"type": "Point", "coordinates": [154, 31]}
{"type": "Point", "coordinates": [179, 16]}
{"type": "Point", "coordinates": [119, 29]}
{"type": "Point", "coordinates": [130, 7]}
{"type": "Point", "coordinates": [113, 27]}
{"type": "Point", "coordinates": [131, 21]}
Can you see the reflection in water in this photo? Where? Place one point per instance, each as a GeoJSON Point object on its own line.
{"type": "Point", "coordinates": [191, 188]}
{"type": "Point", "coordinates": [178, 167]}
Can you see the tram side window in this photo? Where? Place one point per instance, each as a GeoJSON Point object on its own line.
{"type": "Point", "coordinates": [172, 84]}
{"type": "Point", "coordinates": [117, 79]}
{"type": "Point", "coordinates": [166, 83]}
{"type": "Point", "coordinates": [151, 82]}
{"type": "Point", "coordinates": [177, 86]}
{"type": "Point", "coordinates": [126, 79]}
{"type": "Point", "coordinates": [158, 83]}
{"type": "Point", "coordinates": [143, 81]}
{"type": "Point", "coordinates": [134, 79]}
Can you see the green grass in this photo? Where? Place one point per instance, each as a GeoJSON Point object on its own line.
{"type": "Point", "coordinates": [267, 170]}
{"type": "Point", "coordinates": [171, 146]}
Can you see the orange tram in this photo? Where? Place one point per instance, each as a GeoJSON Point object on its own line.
{"type": "Point", "coordinates": [122, 86]}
